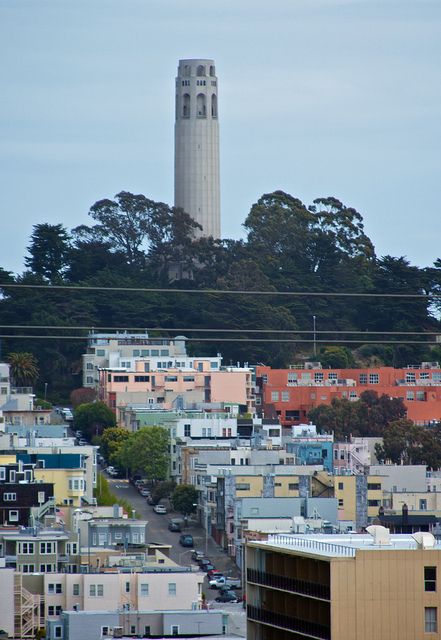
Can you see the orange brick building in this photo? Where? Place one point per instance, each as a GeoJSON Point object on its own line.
{"type": "Point", "coordinates": [292, 393]}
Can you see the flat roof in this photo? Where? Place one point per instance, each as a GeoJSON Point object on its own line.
{"type": "Point", "coordinates": [338, 545]}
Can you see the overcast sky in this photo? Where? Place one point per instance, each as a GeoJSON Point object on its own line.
{"type": "Point", "coordinates": [316, 97]}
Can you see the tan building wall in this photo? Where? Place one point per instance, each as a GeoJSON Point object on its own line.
{"type": "Point", "coordinates": [286, 486]}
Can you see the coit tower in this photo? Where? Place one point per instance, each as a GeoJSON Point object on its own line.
{"type": "Point", "coordinates": [197, 144]}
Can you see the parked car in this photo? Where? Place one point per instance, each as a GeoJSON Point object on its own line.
{"type": "Point", "coordinates": [159, 508]}
{"type": "Point", "coordinates": [231, 583]}
{"type": "Point", "coordinates": [174, 525]}
{"type": "Point", "coordinates": [213, 574]}
{"type": "Point", "coordinates": [186, 540]}
{"type": "Point", "coordinates": [111, 471]}
{"type": "Point", "coordinates": [144, 492]}
{"type": "Point", "coordinates": [82, 442]}
{"type": "Point", "coordinates": [208, 567]}
{"type": "Point", "coordinates": [228, 596]}
{"type": "Point", "coordinates": [78, 434]}
{"type": "Point", "coordinates": [197, 555]}
{"type": "Point", "coordinates": [67, 414]}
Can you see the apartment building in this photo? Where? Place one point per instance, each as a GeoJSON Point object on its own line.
{"type": "Point", "coordinates": [180, 388]}
{"type": "Point", "coordinates": [124, 350]}
{"type": "Point", "coordinates": [37, 550]}
{"type": "Point", "coordinates": [292, 393]}
{"type": "Point", "coordinates": [19, 491]}
{"type": "Point", "coordinates": [344, 586]}
{"type": "Point", "coordinates": [17, 404]}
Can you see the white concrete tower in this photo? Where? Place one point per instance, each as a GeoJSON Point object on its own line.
{"type": "Point", "coordinates": [197, 144]}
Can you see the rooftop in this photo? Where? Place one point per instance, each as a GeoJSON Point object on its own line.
{"type": "Point", "coordinates": [335, 546]}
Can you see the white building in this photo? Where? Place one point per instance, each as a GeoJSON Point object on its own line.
{"type": "Point", "coordinates": [197, 189]}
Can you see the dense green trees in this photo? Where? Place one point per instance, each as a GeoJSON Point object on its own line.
{"type": "Point", "coordinates": [185, 499]}
{"type": "Point", "coordinates": [132, 241]}
{"type": "Point", "coordinates": [406, 443]}
{"type": "Point", "coordinates": [369, 416]}
{"type": "Point", "coordinates": [147, 452]}
{"type": "Point", "coordinates": [92, 418]}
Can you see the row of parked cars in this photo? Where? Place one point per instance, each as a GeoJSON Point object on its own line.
{"type": "Point", "coordinates": [226, 586]}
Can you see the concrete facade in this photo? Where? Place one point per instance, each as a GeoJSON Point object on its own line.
{"type": "Point", "coordinates": [197, 189]}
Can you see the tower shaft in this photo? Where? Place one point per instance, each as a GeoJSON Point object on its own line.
{"type": "Point", "coordinates": [197, 144]}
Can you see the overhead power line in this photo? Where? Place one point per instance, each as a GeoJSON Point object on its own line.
{"type": "Point", "coordinates": [328, 294]}
{"type": "Point", "coordinates": [220, 330]}
{"type": "Point", "coordinates": [249, 340]}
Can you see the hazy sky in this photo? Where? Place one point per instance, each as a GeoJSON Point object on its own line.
{"type": "Point", "coordinates": [316, 97]}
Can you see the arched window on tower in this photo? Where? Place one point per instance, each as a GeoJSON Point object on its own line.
{"type": "Point", "coordinates": [201, 106]}
{"type": "Point", "coordinates": [187, 70]}
{"type": "Point", "coordinates": [186, 105]}
{"type": "Point", "coordinates": [212, 70]}
{"type": "Point", "coordinates": [214, 106]}
{"type": "Point", "coordinates": [200, 71]}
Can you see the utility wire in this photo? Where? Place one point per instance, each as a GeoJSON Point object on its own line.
{"type": "Point", "coordinates": [249, 340]}
{"type": "Point", "coordinates": [218, 330]}
{"type": "Point", "coordinates": [329, 294]}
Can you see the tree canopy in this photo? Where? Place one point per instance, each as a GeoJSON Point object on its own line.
{"type": "Point", "coordinates": [92, 418]}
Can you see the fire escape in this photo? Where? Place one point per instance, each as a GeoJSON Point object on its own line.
{"type": "Point", "coordinates": [28, 607]}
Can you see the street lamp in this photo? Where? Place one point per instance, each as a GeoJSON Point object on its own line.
{"type": "Point", "coordinates": [314, 338]}
{"type": "Point", "coordinates": [45, 391]}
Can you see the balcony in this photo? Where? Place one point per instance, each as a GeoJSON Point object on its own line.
{"type": "Point", "coordinates": [300, 587]}
{"type": "Point", "coordinates": [310, 629]}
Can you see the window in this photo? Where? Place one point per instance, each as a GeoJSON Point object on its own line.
{"type": "Point", "coordinates": [142, 378]}
{"type": "Point", "coordinates": [174, 630]}
{"type": "Point", "coordinates": [340, 502]}
{"type": "Point", "coordinates": [127, 587]}
{"type": "Point", "coordinates": [13, 516]}
{"type": "Point", "coordinates": [58, 631]}
{"type": "Point", "coordinates": [424, 375]}
{"type": "Point", "coordinates": [45, 568]}
{"type": "Point", "coordinates": [374, 503]}
{"type": "Point", "coordinates": [47, 547]}
{"type": "Point", "coordinates": [214, 365]}
{"type": "Point", "coordinates": [55, 587]}
{"type": "Point", "coordinates": [188, 378]}
{"type": "Point", "coordinates": [126, 364]}
{"type": "Point", "coordinates": [75, 589]}
{"type": "Point", "coordinates": [144, 589]}
{"type": "Point", "coordinates": [89, 366]}
{"type": "Point", "coordinates": [362, 378]}
{"type": "Point", "coordinates": [172, 588]}
{"type": "Point", "coordinates": [273, 433]}
{"type": "Point", "coordinates": [100, 352]}
{"type": "Point", "coordinates": [429, 578]}
{"type": "Point", "coordinates": [135, 353]}
{"type": "Point", "coordinates": [2, 473]}
{"type": "Point", "coordinates": [164, 352]}
{"type": "Point", "coordinates": [145, 352]}
{"type": "Point", "coordinates": [341, 486]}
{"type": "Point", "coordinates": [410, 395]}
{"type": "Point", "coordinates": [421, 396]}
{"type": "Point", "coordinates": [146, 630]}
{"type": "Point", "coordinates": [274, 396]}
{"type": "Point", "coordinates": [54, 610]}
{"type": "Point", "coordinates": [374, 486]}
{"type": "Point", "coordinates": [293, 486]}
{"type": "Point", "coordinates": [27, 548]}
{"type": "Point", "coordinates": [133, 629]}
{"type": "Point", "coordinates": [374, 378]}
{"type": "Point", "coordinates": [187, 430]}
{"type": "Point", "coordinates": [285, 396]}
{"type": "Point", "coordinates": [96, 590]}
{"type": "Point", "coordinates": [430, 619]}
{"type": "Point", "coordinates": [410, 377]}
{"type": "Point", "coordinates": [76, 484]}
{"type": "Point", "coordinates": [171, 378]}
{"type": "Point", "coordinates": [155, 352]}
{"type": "Point", "coordinates": [242, 486]}
{"type": "Point", "coordinates": [120, 378]}
{"type": "Point", "coordinates": [318, 376]}
{"type": "Point", "coordinates": [332, 375]}
{"type": "Point", "coordinates": [28, 568]}
{"type": "Point", "coordinates": [104, 631]}
{"type": "Point", "coordinates": [423, 505]}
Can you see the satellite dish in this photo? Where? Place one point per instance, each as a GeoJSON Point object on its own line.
{"type": "Point", "coordinates": [381, 535]}
{"type": "Point", "coordinates": [424, 539]}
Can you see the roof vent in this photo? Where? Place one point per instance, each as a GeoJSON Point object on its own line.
{"type": "Point", "coordinates": [381, 535]}
{"type": "Point", "coordinates": [424, 539]}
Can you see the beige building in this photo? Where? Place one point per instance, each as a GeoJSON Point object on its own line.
{"type": "Point", "coordinates": [344, 587]}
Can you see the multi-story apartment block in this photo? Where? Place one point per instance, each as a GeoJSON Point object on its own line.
{"type": "Point", "coordinates": [124, 350]}
{"type": "Point", "coordinates": [19, 492]}
{"type": "Point", "coordinates": [292, 393]}
{"type": "Point", "coordinates": [344, 586]}
{"type": "Point", "coordinates": [175, 387]}
{"type": "Point", "coordinates": [310, 447]}
{"type": "Point", "coordinates": [35, 550]}
{"type": "Point", "coordinates": [17, 404]}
